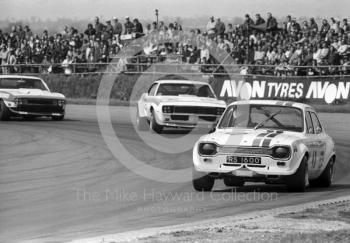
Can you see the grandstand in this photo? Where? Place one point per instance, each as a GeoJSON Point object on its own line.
{"type": "Point", "coordinates": [256, 46]}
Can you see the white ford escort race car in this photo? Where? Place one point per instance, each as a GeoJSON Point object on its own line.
{"type": "Point", "coordinates": [178, 103]}
{"type": "Point", "coordinates": [269, 141]}
{"type": "Point", "coordinates": [29, 97]}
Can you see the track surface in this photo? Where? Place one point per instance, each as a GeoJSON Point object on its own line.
{"type": "Point", "coordinates": [54, 177]}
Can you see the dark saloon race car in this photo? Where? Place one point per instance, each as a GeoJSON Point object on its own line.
{"type": "Point", "coordinates": [29, 97]}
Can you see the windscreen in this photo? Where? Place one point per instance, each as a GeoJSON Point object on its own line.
{"type": "Point", "coordinates": [263, 117]}
{"type": "Point", "coordinates": [16, 83]}
{"type": "Point", "coordinates": [175, 89]}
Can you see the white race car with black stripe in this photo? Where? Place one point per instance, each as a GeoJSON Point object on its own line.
{"type": "Point", "coordinates": [29, 97]}
{"type": "Point", "coordinates": [265, 140]}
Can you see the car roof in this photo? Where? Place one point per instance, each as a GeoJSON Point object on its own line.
{"type": "Point", "coordinates": [18, 77]}
{"type": "Point", "coordinates": [167, 81]}
{"type": "Point", "coordinates": [274, 102]}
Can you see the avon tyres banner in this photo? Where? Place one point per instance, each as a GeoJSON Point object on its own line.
{"type": "Point", "coordinates": [314, 90]}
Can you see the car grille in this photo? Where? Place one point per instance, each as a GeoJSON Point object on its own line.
{"type": "Point", "coordinates": [244, 150]}
{"type": "Point", "coordinates": [208, 118]}
{"type": "Point", "coordinates": [179, 117]}
{"type": "Point", "coordinates": [196, 110]}
{"type": "Point", "coordinates": [40, 101]}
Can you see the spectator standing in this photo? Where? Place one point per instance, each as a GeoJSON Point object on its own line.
{"type": "Point", "coordinates": [98, 27]}
{"type": "Point", "coordinates": [248, 22]}
{"type": "Point", "coordinates": [313, 26]}
{"type": "Point", "coordinates": [117, 27]}
{"type": "Point", "coordinates": [288, 24]}
{"type": "Point", "coordinates": [220, 28]}
{"type": "Point", "coordinates": [108, 30]}
{"type": "Point", "coordinates": [346, 26]}
{"type": "Point", "coordinates": [128, 26]}
{"type": "Point", "coordinates": [211, 27]}
{"type": "Point", "coordinates": [324, 28]}
{"type": "Point", "coordinates": [138, 29]}
{"type": "Point", "coordinates": [259, 20]}
{"type": "Point", "coordinates": [271, 22]}
{"type": "Point", "coordinates": [4, 56]}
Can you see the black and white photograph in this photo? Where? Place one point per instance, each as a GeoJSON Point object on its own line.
{"type": "Point", "coordinates": [166, 121]}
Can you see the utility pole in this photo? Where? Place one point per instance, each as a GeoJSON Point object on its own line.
{"type": "Point", "coordinates": [157, 18]}
{"type": "Point", "coordinates": [156, 11]}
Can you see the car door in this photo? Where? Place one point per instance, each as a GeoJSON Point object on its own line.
{"type": "Point", "coordinates": [320, 142]}
{"type": "Point", "coordinates": [310, 143]}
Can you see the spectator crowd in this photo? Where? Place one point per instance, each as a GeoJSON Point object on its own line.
{"type": "Point", "coordinates": [258, 46]}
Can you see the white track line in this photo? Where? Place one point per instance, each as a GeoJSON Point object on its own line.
{"type": "Point", "coordinates": [203, 224]}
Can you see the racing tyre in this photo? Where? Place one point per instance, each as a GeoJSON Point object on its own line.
{"type": "Point", "coordinates": [57, 118]}
{"type": "Point", "coordinates": [300, 179]}
{"type": "Point", "coordinates": [202, 181]}
{"type": "Point", "coordinates": [141, 122]}
{"type": "Point", "coordinates": [4, 112]}
{"type": "Point", "coordinates": [326, 178]}
{"type": "Point", "coordinates": [233, 181]}
{"type": "Point", "coordinates": [154, 125]}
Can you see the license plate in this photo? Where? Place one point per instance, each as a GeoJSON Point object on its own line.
{"type": "Point", "coordinates": [243, 160]}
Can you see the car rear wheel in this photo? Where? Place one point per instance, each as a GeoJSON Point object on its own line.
{"type": "Point", "coordinates": [233, 181]}
{"type": "Point", "coordinates": [141, 122]}
{"type": "Point", "coordinates": [4, 111]}
{"type": "Point", "coordinates": [202, 181]}
{"type": "Point", "coordinates": [300, 179]}
{"type": "Point", "coordinates": [326, 178]}
{"type": "Point", "coordinates": [154, 125]}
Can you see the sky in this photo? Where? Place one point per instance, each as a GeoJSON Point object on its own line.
{"type": "Point", "coordinates": [144, 9]}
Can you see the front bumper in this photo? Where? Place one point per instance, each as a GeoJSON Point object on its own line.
{"type": "Point", "coordinates": [38, 110]}
{"type": "Point", "coordinates": [268, 167]}
{"type": "Point", "coordinates": [185, 120]}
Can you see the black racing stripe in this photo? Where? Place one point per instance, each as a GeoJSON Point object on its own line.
{"type": "Point", "coordinates": [268, 139]}
{"type": "Point", "coordinates": [266, 142]}
{"type": "Point", "coordinates": [272, 135]}
{"type": "Point", "coordinates": [257, 140]}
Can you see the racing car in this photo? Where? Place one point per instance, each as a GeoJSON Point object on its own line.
{"type": "Point", "coordinates": [178, 103]}
{"type": "Point", "coordinates": [265, 141]}
{"type": "Point", "coordinates": [29, 97]}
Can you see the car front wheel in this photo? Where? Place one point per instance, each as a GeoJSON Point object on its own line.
{"type": "Point", "coordinates": [300, 179]}
{"type": "Point", "coordinates": [4, 111]}
{"type": "Point", "coordinates": [154, 126]}
{"type": "Point", "coordinates": [201, 181]}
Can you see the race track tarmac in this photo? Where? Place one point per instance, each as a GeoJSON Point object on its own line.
{"type": "Point", "coordinates": [59, 181]}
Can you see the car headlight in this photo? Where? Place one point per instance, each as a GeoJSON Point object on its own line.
{"type": "Point", "coordinates": [61, 103]}
{"type": "Point", "coordinates": [219, 111]}
{"type": "Point", "coordinates": [281, 152]}
{"type": "Point", "coordinates": [168, 109]}
{"type": "Point", "coordinates": [19, 101]}
{"type": "Point", "coordinates": [207, 149]}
